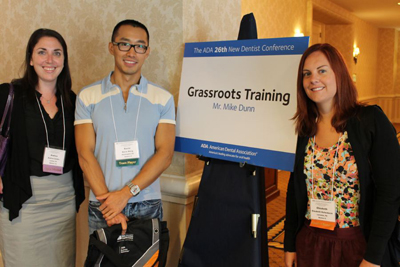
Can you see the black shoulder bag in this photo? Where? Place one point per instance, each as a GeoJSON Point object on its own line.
{"type": "Point", "coordinates": [5, 138]}
{"type": "Point", "coordinates": [145, 243]}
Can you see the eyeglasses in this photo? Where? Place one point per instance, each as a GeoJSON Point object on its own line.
{"type": "Point", "coordinates": [125, 47]}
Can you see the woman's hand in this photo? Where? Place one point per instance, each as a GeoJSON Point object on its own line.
{"type": "Point", "coordinates": [1, 186]}
{"type": "Point", "coordinates": [290, 259]}
{"type": "Point", "coordinates": [365, 263]}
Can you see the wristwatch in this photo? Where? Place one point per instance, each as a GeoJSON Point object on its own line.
{"type": "Point", "coordinates": [135, 190]}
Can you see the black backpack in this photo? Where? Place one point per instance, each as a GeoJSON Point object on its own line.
{"type": "Point", "coordinates": [145, 243]}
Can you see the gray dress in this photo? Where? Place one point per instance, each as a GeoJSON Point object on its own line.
{"type": "Point", "coordinates": [44, 231]}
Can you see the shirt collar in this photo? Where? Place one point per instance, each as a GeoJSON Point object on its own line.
{"type": "Point", "coordinates": [141, 87]}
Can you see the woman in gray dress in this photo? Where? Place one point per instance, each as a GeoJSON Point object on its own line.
{"type": "Point", "coordinates": [42, 184]}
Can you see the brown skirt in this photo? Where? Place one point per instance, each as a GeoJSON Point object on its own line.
{"type": "Point", "coordinates": [343, 247]}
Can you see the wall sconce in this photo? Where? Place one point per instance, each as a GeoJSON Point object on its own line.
{"type": "Point", "coordinates": [356, 53]}
{"type": "Point", "coordinates": [298, 33]}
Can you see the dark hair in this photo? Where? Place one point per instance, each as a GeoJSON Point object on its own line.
{"type": "Point", "coordinates": [133, 23]}
{"type": "Point", "coordinates": [30, 77]}
{"type": "Point", "coordinates": [345, 101]}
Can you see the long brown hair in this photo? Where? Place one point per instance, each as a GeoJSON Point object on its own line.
{"type": "Point", "coordinates": [345, 101]}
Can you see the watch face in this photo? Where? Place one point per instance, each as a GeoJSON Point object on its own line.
{"type": "Point", "coordinates": [135, 190]}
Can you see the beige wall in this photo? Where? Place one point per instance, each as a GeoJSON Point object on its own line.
{"type": "Point", "coordinates": [344, 35]}
{"type": "Point", "coordinates": [281, 18]}
{"type": "Point", "coordinates": [366, 38]}
{"type": "Point", "coordinates": [377, 68]}
{"type": "Point", "coordinates": [377, 73]}
{"type": "Point", "coordinates": [388, 73]}
{"type": "Point", "coordinates": [396, 104]}
{"type": "Point", "coordinates": [397, 66]}
{"type": "Point", "coordinates": [87, 27]}
{"type": "Point", "coordinates": [341, 37]}
{"type": "Point", "coordinates": [385, 72]}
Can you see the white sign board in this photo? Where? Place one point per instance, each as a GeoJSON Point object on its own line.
{"type": "Point", "coordinates": [237, 99]}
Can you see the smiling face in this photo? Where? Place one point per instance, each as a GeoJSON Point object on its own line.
{"type": "Point", "coordinates": [319, 81]}
{"type": "Point", "coordinates": [129, 63]}
{"type": "Point", "coordinates": [47, 59]}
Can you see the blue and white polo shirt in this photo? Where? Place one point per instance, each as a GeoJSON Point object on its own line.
{"type": "Point", "coordinates": [154, 104]}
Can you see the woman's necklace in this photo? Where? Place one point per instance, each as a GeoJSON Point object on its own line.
{"type": "Point", "coordinates": [48, 100]}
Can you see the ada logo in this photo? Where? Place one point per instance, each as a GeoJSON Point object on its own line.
{"type": "Point", "coordinates": [204, 146]}
{"type": "Point", "coordinates": [122, 238]}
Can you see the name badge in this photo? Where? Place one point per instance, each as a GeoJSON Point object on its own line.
{"type": "Point", "coordinates": [323, 214]}
{"type": "Point", "coordinates": [53, 160]}
{"type": "Point", "coordinates": [126, 153]}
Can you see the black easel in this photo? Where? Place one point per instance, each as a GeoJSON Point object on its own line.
{"type": "Point", "coordinates": [231, 196]}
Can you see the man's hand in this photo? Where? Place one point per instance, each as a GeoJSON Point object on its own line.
{"type": "Point", "coordinates": [114, 202]}
{"type": "Point", "coordinates": [119, 219]}
{"type": "Point", "coordinates": [290, 259]}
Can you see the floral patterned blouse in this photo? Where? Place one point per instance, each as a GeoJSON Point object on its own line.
{"type": "Point", "coordinates": [346, 187]}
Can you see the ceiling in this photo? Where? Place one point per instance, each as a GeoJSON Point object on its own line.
{"type": "Point", "coordinates": [381, 13]}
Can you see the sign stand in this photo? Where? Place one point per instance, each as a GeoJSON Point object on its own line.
{"type": "Point", "coordinates": [228, 225]}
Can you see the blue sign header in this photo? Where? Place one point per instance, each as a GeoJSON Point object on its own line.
{"type": "Point", "coordinates": [252, 47]}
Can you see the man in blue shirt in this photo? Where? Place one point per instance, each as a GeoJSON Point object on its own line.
{"type": "Point", "coordinates": [125, 134]}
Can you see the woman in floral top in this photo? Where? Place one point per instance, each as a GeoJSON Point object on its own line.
{"type": "Point", "coordinates": [344, 193]}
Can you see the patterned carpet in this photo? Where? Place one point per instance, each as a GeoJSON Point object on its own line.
{"type": "Point", "coordinates": [275, 221]}
{"type": "Point", "coordinates": [276, 234]}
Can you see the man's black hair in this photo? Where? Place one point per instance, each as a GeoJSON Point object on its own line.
{"type": "Point", "coordinates": [133, 23]}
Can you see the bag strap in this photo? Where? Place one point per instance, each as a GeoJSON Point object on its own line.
{"type": "Point", "coordinates": [152, 253]}
{"type": "Point", "coordinates": [7, 110]}
{"type": "Point", "coordinates": [107, 251]}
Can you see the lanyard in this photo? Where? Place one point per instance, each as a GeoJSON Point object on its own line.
{"type": "Point", "coordinates": [137, 118]}
{"type": "Point", "coordinates": [44, 122]}
{"type": "Point", "coordinates": [333, 169]}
